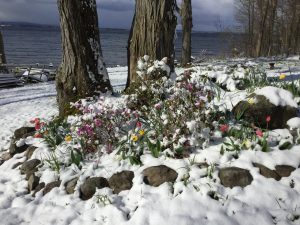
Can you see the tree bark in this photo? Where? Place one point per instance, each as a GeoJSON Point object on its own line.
{"type": "Point", "coordinates": [82, 72]}
{"type": "Point", "coordinates": [264, 7]}
{"type": "Point", "coordinates": [152, 33]}
{"type": "Point", "coordinates": [3, 67]}
{"type": "Point", "coordinates": [187, 25]}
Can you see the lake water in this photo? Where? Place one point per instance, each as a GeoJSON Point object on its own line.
{"type": "Point", "coordinates": [29, 44]}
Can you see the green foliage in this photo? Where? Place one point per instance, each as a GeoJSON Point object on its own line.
{"type": "Point", "coordinates": [76, 157]}
{"type": "Point", "coordinates": [53, 162]}
{"type": "Point", "coordinates": [231, 146]}
{"type": "Point", "coordinates": [155, 149]}
{"type": "Point", "coordinates": [255, 77]}
{"type": "Point", "coordinates": [55, 132]}
{"type": "Point", "coordinates": [104, 199]}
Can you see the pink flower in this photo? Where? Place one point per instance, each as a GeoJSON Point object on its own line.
{"type": "Point", "coordinates": [139, 124]}
{"type": "Point", "coordinates": [37, 126]}
{"type": "Point", "coordinates": [224, 128]}
{"type": "Point", "coordinates": [259, 133]}
{"type": "Point", "coordinates": [197, 104]}
{"type": "Point", "coordinates": [268, 119]}
{"type": "Point", "coordinates": [157, 106]}
{"type": "Point", "coordinates": [189, 87]}
{"type": "Point", "coordinates": [136, 114]}
{"type": "Point", "coordinates": [97, 122]}
{"type": "Point", "coordinates": [35, 120]}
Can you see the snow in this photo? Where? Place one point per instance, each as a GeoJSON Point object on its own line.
{"type": "Point", "coordinates": [264, 202]}
{"type": "Point", "coordinates": [277, 96]}
{"type": "Point", "coordinates": [294, 123]}
{"type": "Point", "coordinates": [294, 58]}
{"type": "Point", "coordinates": [20, 105]}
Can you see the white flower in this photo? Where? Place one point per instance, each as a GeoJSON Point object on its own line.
{"type": "Point", "coordinates": [191, 125]}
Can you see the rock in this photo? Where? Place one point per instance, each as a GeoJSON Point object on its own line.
{"type": "Point", "coordinates": [234, 176]}
{"type": "Point", "coordinates": [284, 170]}
{"type": "Point", "coordinates": [33, 182]}
{"type": "Point", "coordinates": [266, 172]}
{"type": "Point", "coordinates": [285, 145]}
{"type": "Point", "coordinates": [5, 156]}
{"type": "Point", "coordinates": [121, 181]}
{"type": "Point", "coordinates": [261, 108]}
{"type": "Point", "coordinates": [17, 165]}
{"type": "Point", "coordinates": [30, 166]}
{"type": "Point", "coordinates": [14, 149]}
{"type": "Point", "coordinates": [39, 187]}
{"type": "Point", "coordinates": [31, 134]}
{"type": "Point", "coordinates": [157, 175]}
{"type": "Point", "coordinates": [202, 165]}
{"type": "Point", "coordinates": [19, 133]}
{"type": "Point", "coordinates": [88, 188]}
{"type": "Point", "coordinates": [29, 151]}
{"type": "Point", "coordinates": [50, 186]}
{"type": "Point", "coordinates": [70, 185]}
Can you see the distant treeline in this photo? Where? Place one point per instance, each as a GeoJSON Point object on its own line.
{"type": "Point", "coordinates": [271, 27]}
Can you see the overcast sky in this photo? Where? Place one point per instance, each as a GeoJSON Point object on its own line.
{"type": "Point", "coordinates": [115, 13]}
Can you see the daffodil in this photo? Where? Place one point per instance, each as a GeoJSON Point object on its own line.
{"type": "Point", "coordinates": [247, 144]}
{"type": "Point", "coordinates": [142, 132]}
{"type": "Point", "coordinates": [68, 138]}
{"type": "Point", "coordinates": [282, 76]}
{"type": "Point", "coordinates": [134, 138]}
{"type": "Point", "coordinates": [251, 101]}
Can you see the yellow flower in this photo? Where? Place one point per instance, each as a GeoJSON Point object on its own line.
{"type": "Point", "coordinates": [142, 132]}
{"type": "Point", "coordinates": [68, 138]}
{"type": "Point", "coordinates": [134, 138]}
{"type": "Point", "coordinates": [247, 144]}
{"type": "Point", "coordinates": [282, 76]}
{"type": "Point", "coordinates": [251, 101]}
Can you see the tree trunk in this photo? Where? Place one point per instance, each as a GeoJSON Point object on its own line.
{"type": "Point", "coordinates": [262, 25]}
{"type": "Point", "coordinates": [187, 24]}
{"type": "Point", "coordinates": [2, 55]}
{"type": "Point", "coordinates": [152, 33]}
{"type": "Point", "coordinates": [82, 72]}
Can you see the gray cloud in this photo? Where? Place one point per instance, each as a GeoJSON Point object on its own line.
{"type": "Point", "coordinates": [114, 13]}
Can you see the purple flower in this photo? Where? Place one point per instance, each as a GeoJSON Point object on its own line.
{"type": "Point", "coordinates": [157, 106]}
{"type": "Point", "coordinates": [98, 122]}
{"type": "Point", "coordinates": [189, 86]}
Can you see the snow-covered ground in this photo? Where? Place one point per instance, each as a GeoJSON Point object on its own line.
{"type": "Point", "coordinates": [20, 105]}
{"type": "Point", "coordinates": [264, 202]}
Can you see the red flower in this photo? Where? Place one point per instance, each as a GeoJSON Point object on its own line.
{"type": "Point", "coordinates": [37, 126]}
{"type": "Point", "coordinates": [268, 119]}
{"type": "Point", "coordinates": [259, 133]}
{"type": "Point", "coordinates": [38, 135]}
{"type": "Point", "coordinates": [35, 120]}
{"type": "Point", "coordinates": [139, 124]}
{"type": "Point", "coordinates": [224, 128]}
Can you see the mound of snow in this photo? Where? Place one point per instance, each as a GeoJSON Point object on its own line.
{"type": "Point", "coordinates": [294, 123]}
{"type": "Point", "coordinates": [277, 96]}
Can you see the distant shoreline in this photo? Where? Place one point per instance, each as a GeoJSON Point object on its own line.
{"type": "Point", "coordinates": [27, 24]}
